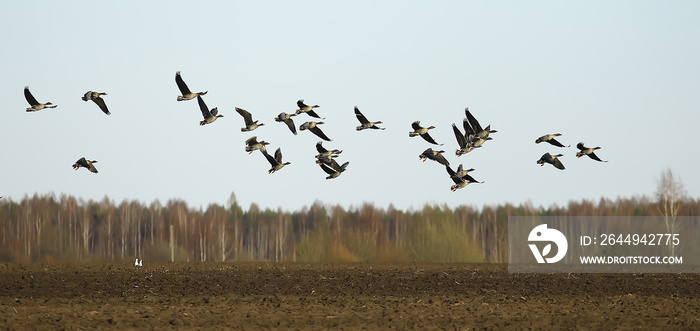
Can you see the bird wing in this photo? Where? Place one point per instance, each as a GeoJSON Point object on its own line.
{"type": "Point", "coordinates": [278, 155]}
{"type": "Point", "coordinates": [320, 148]}
{"type": "Point", "coordinates": [181, 84]}
{"type": "Point", "coordinates": [203, 107]}
{"type": "Point", "coordinates": [558, 164]}
{"type": "Point", "coordinates": [30, 98]}
{"type": "Point", "coordinates": [453, 174]}
{"type": "Point", "coordinates": [251, 141]}
{"type": "Point", "coordinates": [313, 114]}
{"type": "Point", "coordinates": [470, 179]}
{"type": "Point", "coordinates": [361, 117]}
{"type": "Point", "coordinates": [101, 103]}
{"type": "Point", "coordinates": [461, 140]}
{"type": "Point", "coordinates": [441, 159]}
{"type": "Point", "coordinates": [246, 116]}
{"type": "Point", "coordinates": [472, 120]}
{"type": "Point", "coordinates": [428, 138]}
{"type": "Point", "coordinates": [595, 157]}
{"type": "Point", "coordinates": [555, 142]}
{"type": "Point", "coordinates": [468, 130]}
{"type": "Point", "coordinates": [290, 125]}
{"type": "Point", "coordinates": [269, 157]}
{"type": "Point", "coordinates": [416, 125]}
{"type": "Point", "coordinates": [82, 162]}
{"type": "Point", "coordinates": [317, 131]}
{"type": "Point", "coordinates": [92, 168]}
{"type": "Point", "coordinates": [301, 104]}
{"type": "Point", "coordinates": [327, 169]}
{"type": "Point", "coordinates": [580, 146]}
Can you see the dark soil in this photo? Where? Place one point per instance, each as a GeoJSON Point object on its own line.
{"type": "Point", "coordinates": [342, 296]}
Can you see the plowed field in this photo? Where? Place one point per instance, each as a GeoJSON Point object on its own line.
{"type": "Point", "coordinates": [342, 296]}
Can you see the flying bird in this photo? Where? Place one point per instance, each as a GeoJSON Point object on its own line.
{"type": "Point", "coordinates": [82, 162]}
{"type": "Point", "coordinates": [460, 182]}
{"type": "Point", "coordinates": [325, 155]}
{"type": "Point", "coordinates": [478, 131]}
{"type": "Point", "coordinates": [250, 125]}
{"type": "Point", "coordinates": [461, 173]}
{"type": "Point", "coordinates": [465, 145]}
{"type": "Point", "coordinates": [96, 97]}
{"type": "Point", "coordinates": [423, 132]}
{"type": "Point", "coordinates": [550, 139]}
{"type": "Point", "coordinates": [35, 105]}
{"type": "Point", "coordinates": [551, 159]}
{"type": "Point", "coordinates": [287, 119]}
{"type": "Point", "coordinates": [304, 108]}
{"type": "Point", "coordinates": [587, 151]}
{"type": "Point", "coordinates": [334, 170]}
{"type": "Point", "coordinates": [313, 127]}
{"type": "Point", "coordinates": [209, 116]}
{"type": "Point", "coordinates": [434, 155]}
{"type": "Point", "coordinates": [253, 144]}
{"type": "Point", "coordinates": [186, 93]}
{"type": "Point", "coordinates": [275, 162]}
{"type": "Point", "coordinates": [364, 122]}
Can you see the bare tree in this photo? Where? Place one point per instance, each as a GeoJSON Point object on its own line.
{"type": "Point", "coordinates": [670, 192]}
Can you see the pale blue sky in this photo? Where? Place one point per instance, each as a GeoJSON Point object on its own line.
{"type": "Point", "coordinates": [622, 75]}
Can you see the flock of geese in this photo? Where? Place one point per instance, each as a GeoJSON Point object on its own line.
{"type": "Point", "coordinates": [473, 137]}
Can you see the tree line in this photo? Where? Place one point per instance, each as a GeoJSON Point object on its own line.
{"type": "Point", "coordinates": [63, 228]}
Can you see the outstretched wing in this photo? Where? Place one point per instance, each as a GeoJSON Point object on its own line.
{"type": "Point", "coordinates": [203, 107]}
{"type": "Point", "coordinates": [181, 84]}
{"type": "Point", "coordinates": [472, 120]}
{"type": "Point", "coordinates": [558, 164]}
{"type": "Point", "coordinates": [246, 116]}
{"type": "Point", "coordinates": [30, 98]}
{"type": "Point", "coordinates": [555, 143]}
{"type": "Point", "coordinates": [460, 137]}
{"type": "Point", "coordinates": [101, 103]}
{"type": "Point", "coordinates": [278, 155]}
{"type": "Point", "coordinates": [320, 148]}
{"type": "Point", "coordinates": [301, 104]}
{"type": "Point", "coordinates": [429, 139]}
{"type": "Point", "coordinates": [580, 146]}
{"type": "Point", "coordinates": [317, 131]}
{"type": "Point", "coordinates": [361, 117]}
{"type": "Point", "coordinates": [269, 157]}
{"type": "Point", "coordinates": [468, 130]}
{"type": "Point", "coordinates": [595, 157]}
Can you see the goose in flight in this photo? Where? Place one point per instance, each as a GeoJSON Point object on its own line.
{"type": "Point", "coordinates": [287, 119]}
{"type": "Point", "coordinates": [465, 145]}
{"type": "Point", "coordinates": [209, 116]}
{"type": "Point", "coordinates": [250, 125]}
{"type": "Point", "coordinates": [96, 97]}
{"type": "Point", "coordinates": [434, 155]}
{"type": "Point", "coordinates": [364, 122]}
{"type": "Point", "coordinates": [423, 132]}
{"type": "Point", "coordinates": [304, 108]}
{"type": "Point", "coordinates": [35, 105]}
{"type": "Point", "coordinates": [82, 162]}
{"type": "Point", "coordinates": [550, 139]}
{"type": "Point", "coordinates": [583, 150]}
{"type": "Point", "coordinates": [275, 162]}
{"type": "Point", "coordinates": [313, 127]}
{"type": "Point", "coordinates": [253, 144]}
{"type": "Point", "coordinates": [551, 159]}
{"type": "Point", "coordinates": [461, 172]}
{"type": "Point", "coordinates": [324, 155]}
{"type": "Point", "coordinates": [186, 93]}
{"type": "Point", "coordinates": [476, 127]}
{"type": "Point", "coordinates": [460, 182]}
{"type": "Point", "coordinates": [334, 170]}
